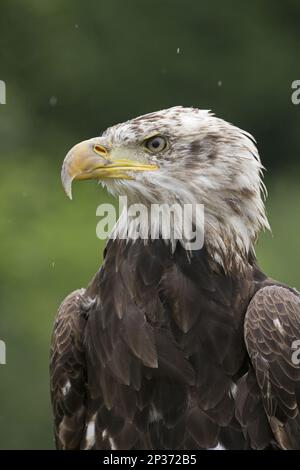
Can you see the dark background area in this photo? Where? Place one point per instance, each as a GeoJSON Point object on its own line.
{"type": "Point", "coordinates": [73, 68]}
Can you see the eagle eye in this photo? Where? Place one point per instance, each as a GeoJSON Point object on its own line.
{"type": "Point", "coordinates": [156, 144]}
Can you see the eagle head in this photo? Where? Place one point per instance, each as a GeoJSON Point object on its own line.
{"type": "Point", "coordinates": [183, 156]}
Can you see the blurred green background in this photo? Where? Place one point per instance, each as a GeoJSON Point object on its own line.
{"type": "Point", "coordinates": [73, 68]}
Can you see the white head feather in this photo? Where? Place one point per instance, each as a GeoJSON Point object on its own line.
{"type": "Point", "coordinates": [208, 161]}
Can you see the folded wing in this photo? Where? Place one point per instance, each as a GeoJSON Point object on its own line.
{"type": "Point", "coordinates": [272, 334]}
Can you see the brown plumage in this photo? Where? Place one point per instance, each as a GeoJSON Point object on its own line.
{"type": "Point", "coordinates": [167, 349]}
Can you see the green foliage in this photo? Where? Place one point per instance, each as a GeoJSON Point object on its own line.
{"type": "Point", "coordinates": [279, 253]}
{"type": "Point", "coordinates": [48, 248]}
{"type": "Point", "coordinates": [73, 68]}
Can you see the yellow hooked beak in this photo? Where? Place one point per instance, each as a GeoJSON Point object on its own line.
{"type": "Point", "coordinates": [91, 160]}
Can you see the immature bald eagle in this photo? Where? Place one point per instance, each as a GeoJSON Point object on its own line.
{"type": "Point", "coordinates": [170, 348]}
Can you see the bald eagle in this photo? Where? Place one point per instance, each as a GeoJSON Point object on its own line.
{"type": "Point", "coordinates": [171, 348]}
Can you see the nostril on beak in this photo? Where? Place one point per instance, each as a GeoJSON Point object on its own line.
{"type": "Point", "coordinates": [100, 150]}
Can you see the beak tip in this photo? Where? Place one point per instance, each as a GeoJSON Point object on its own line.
{"type": "Point", "coordinates": [69, 194]}
{"type": "Point", "coordinates": [68, 190]}
{"type": "Point", "coordinates": [66, 180]}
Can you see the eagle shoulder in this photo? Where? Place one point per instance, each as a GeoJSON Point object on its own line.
{"type": "Point", "coordinates": [272, 330]}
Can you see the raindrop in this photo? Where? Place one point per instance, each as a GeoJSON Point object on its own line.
{"type": "Point", "coordinates": [53, 101]}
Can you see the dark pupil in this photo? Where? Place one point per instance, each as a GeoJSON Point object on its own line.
{"type": "Point", "coordinates": [155, 143]}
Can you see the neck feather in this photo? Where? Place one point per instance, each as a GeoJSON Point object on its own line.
{"type": "Point", "coordinates": [232, 219]}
